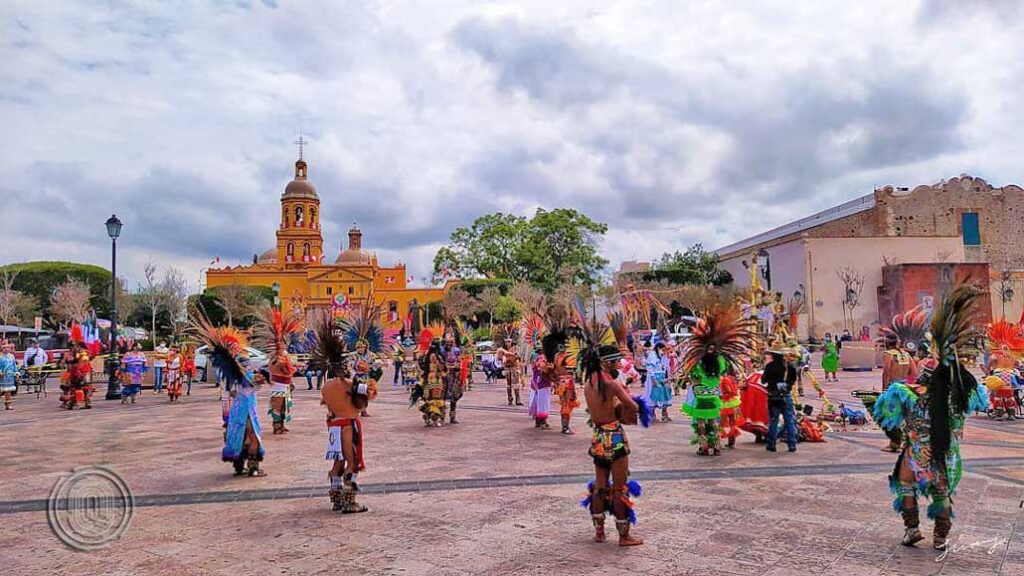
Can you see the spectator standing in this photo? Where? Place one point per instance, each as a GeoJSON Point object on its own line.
{"type": "Point", "coordinates": [779, 378]}
{"type": "Point", "coordinates": [35, 356]}
{"type": "Point", "coordinates": [159, 365]}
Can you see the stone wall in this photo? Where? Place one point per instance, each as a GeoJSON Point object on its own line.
{"type": "Point", "coordinates": [935, 211]}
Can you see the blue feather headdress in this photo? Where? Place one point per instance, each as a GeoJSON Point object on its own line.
{"type": "Point", "coordinates": [363, 326]}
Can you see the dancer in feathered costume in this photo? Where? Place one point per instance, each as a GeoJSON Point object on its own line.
{"type": "Point", "coordinates": [610, 406]}
{"type": "Point", "coordinates": [345, 400]}
{"type": "Point", "coordinates": [452, 374]}
{"type": "Point", "coordinates": [931, 414]}
{"type": "Point", "coordinates": [901, 340]}
{"type": "Point", "coordinates": [364, 334]}
{"type": "Point", "coordinates": [74, 382]}
{"type": "Point", "coordinates": [243, 436]}
{"type": "Point", "coordinates": [1007, 346]}
{"type": "Point", "coordinates": [508, 357]}
{"type": "Point", "coordinates": [546, 369]}
{"type": "Point", "coordinates": [721, 339]}
{"type": "Point", "coordinates": [431, 389]}
{"type": "Point", "coordinates": [272, 333]}
{"type": "Point", "coordinates": [731, 416]}
{"type": "Point", "coordinates": [409, 366]}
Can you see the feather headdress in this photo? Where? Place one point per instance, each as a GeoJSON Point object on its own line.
{"type": "Point", "coordinates": [620, 328]}
{"type": "Point", "coordinates": [226, 347]}
{"type": "Point", "coordinates": [533, 330]}
{"type": "Point", "coordinates": [328, 347]}
{"type": "Point", "coordinates": [556, 328]}
{"type": "Point", "coordinates": [724, 329]}
{"type": "Point", "coordinates": [585, 343]}
{"type": "Point", "coordinates": [951, 383]}
{"type": "Point", "coordinates": [502, 332]}
{"type": "Point", "coordinates": [909, 329]}
{"type": "Point", "coordinates": [273, 331]}
{"type": "Point", "coordinates": [363, 326]}
{"type": "Point", "coordinates": [1006, 338]}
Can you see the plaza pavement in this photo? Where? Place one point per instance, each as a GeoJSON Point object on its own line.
{"type": "Point", "coordinates": [491, 495]}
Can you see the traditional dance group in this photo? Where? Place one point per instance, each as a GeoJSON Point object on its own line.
{"type": "Point", "coordinates": [626, 376]}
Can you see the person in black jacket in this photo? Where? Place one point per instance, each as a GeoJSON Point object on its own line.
{"type": "Point", "coordinates": [779, 378]}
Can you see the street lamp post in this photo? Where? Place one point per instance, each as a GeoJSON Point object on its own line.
{"type": "Point", "coordinates": [113, 389]}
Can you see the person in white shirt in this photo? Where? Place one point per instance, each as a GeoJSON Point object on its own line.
{"type": "Point", "coordinates": [159, 364]}
{"type": "Point", "coordinates": [35, 356]}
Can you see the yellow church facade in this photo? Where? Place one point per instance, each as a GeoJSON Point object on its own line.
{"type": "Point", "coordinates": [297, 270]}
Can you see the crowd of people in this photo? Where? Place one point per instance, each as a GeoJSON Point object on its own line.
{"type": "Point", "coordinates": [727, 378]}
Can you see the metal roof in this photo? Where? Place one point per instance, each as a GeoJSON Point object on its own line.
{"type": "Point", "coordinates": [9, 328]}
{"type": "Point", "coordinates": [855, 206]}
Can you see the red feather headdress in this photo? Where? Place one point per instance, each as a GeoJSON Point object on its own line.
{"type": "Point", "coordinates": [271, 334]}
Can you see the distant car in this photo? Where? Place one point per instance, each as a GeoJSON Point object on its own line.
{"type": "Point", "coordinates": [680, 337]}
{"type": "Point", "coordinates": [257, 360]}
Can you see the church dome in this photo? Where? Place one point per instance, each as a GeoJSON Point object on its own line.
{"type": "Point", "coordinates": [300, 187]}
{"type": "Point", "coordinates": [354, 257]}
{"type": "Point", "coordinates": [268, 257]}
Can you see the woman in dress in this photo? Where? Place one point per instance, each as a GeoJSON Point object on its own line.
{"type": "Point", "coordinates": [133, 365]}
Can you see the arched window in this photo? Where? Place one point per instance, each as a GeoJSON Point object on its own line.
{"type": "Point", "coordinates": [298, 216]}
{"type": "Point", "coordinates": [284, 218]}
{"type": "Point", "coordinates": [291, 250]}
{"type": "Point", "coordinates": [312, 217]}
{"type": "Point", "coordinates": [305, 251]}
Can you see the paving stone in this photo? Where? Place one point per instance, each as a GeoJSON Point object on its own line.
{"type": "Point", "coordinates": [489, 496]}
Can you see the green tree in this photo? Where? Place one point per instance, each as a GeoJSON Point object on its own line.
{"type": "Point", "coordinates": [694, 266]}
{"type": "Point", "coordinates": [489, 247]}
{"type": "Point", "coordinates": [562, 247]}
{"type": "Point", "coordinates": [549, 249]}
{"type": "Point", "coordinates": [507, 309]}
{"type": "Point", "coordinates": [38, 280]}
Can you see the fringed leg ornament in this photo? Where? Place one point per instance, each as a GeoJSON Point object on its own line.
{"type": "Point", "coordinates": [335, 492]}
{"type": "Point", "coordinates": [905, 502]}
{"type": "Point", "coordinates": [941, 510]}
{"type": "Point", "coordinates": [599, 534]}
{"type": "Point", "coordinates": [348, 495]}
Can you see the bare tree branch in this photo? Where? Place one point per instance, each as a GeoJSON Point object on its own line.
{"type": "Point", "coordinates": [70, 301]}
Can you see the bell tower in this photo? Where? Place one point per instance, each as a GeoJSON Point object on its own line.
{"type": "Point", "coordinates": [299, 239]}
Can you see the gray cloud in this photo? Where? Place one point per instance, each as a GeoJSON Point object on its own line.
{"type": "Point", "coordinates": [673, 122]}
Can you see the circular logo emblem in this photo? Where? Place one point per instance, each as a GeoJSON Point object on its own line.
{"type": "Point", "coordinates": [90, 507]}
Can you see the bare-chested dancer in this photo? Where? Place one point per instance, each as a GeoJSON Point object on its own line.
{"type": "Point", "coordinates": [609, 405]}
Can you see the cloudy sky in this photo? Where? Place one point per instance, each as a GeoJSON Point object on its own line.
{"type": "Point", "coordinates": [673, 121]}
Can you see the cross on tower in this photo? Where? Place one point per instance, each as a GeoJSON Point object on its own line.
{"type": "Point", "coordinates": [301, 143]}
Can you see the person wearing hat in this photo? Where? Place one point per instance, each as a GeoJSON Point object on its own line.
{"type": "Point", "coordinates": [778, 378]}
{"type": "Point", "coordinates": [609, 405]}
{"type": "Point", "coordinates": [513, 371]}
